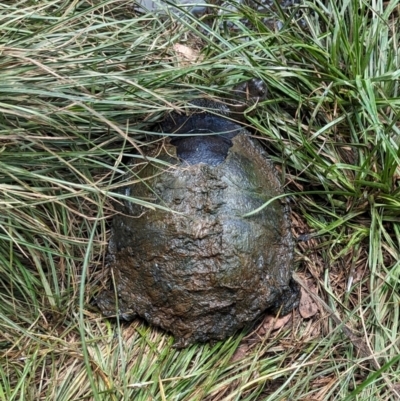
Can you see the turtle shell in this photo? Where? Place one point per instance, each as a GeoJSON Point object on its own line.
{"type": "Point", "coordinates": [198, 266]}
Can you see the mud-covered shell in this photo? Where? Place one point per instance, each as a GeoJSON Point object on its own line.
{"type": "Point", "coordinates": [203, 270]}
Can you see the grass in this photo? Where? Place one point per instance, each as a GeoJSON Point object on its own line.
{"type": "Point", "coordinates": [82, 83]}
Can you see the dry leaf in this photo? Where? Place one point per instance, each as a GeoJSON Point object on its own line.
{"type": "Point", "coordinates": [185, 55]}
{"type": "Point", "coordinates": [240, 353]}
{"type": "Point", "coordinates": [307, 306]}
{"type": "Point", "coordinates": [272, 323]}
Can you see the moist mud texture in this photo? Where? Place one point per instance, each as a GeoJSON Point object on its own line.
{"type": "Point", "coordinates": [202, 270]}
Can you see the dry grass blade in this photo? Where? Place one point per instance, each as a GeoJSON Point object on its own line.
{"type": "Point", "coordinates": [83, 84]}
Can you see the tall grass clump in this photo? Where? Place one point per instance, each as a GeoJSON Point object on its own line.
{"type": "Point", "coordinates": [82, 85]}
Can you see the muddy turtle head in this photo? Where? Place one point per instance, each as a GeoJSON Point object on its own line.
{"type": "Point", "coordinates": [204, 136]}
{"type": "Point", "coordinates": [247, 94]}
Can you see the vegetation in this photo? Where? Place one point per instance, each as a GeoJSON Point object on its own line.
{"type": "Point", "coordinates": [82, 83]}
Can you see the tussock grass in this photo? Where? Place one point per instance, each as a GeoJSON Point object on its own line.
{"type": "Point", "coordinates": [81, 85]}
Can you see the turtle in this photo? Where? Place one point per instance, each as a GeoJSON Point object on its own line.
{"type": "Point", "coordinates": [216, 251]}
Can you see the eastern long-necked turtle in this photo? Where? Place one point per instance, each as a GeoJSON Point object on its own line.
{"type": "Point", "coordinates": [197, 266]}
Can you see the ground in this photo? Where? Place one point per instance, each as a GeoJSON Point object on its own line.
{"type": "Point", "coordinates": [82, 84]}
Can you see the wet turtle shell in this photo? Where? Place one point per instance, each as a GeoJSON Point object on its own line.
{"type": "Point", "coordinates": [197, 266]}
